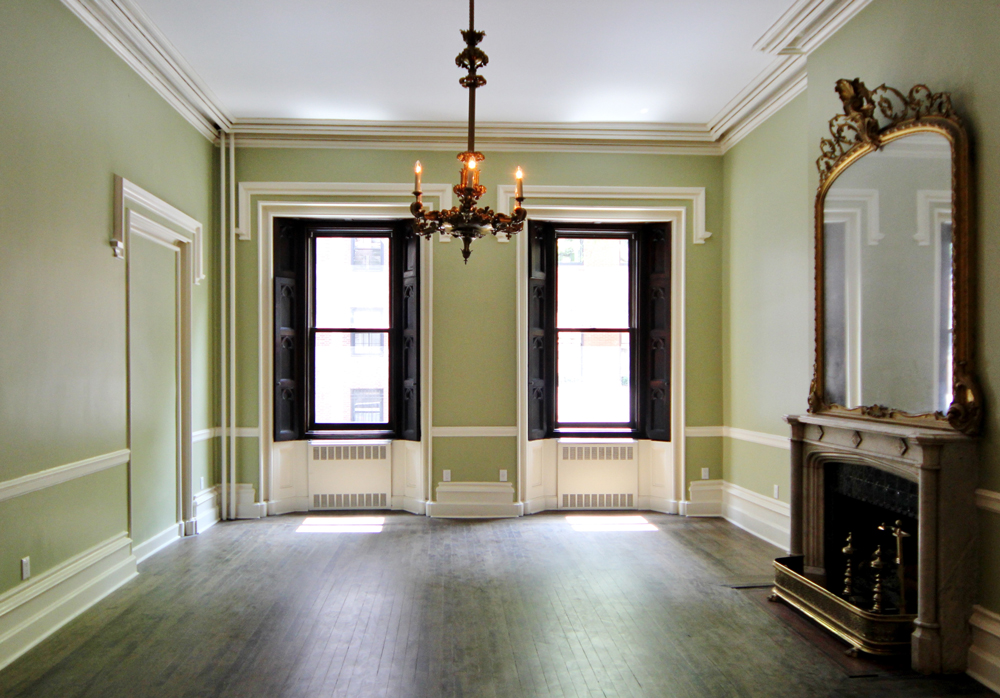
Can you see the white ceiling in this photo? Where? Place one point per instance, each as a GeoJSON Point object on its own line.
{"type": "Point", "coordinates": [657, 61]}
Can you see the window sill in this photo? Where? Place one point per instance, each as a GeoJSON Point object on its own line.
{"type": "Point", "coordinates": [348, 435]}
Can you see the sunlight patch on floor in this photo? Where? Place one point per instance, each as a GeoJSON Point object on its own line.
{"type": "Point", "coordinates": [610, 523]}
{"type": "Point", "coordinates": [342, 524]}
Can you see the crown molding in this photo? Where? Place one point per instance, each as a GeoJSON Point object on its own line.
{"type": "Point", "coordinates": [806, 25]}
{"type": "Point", "coordinates": [130, 33]}
{"type": "Point", "coordinates": [593, 137]}
{"type": "Point", "coordinates": [771, 90]}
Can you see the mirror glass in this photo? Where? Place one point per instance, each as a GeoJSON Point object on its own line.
{"type": "Point", "coordinates": [887, 226]}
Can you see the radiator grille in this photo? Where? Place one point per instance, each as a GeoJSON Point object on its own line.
{"type": "Point", "coordinates": [598, 452]}
{"type": "Point", "coordinates": [598, 501]}
{"type": "Point", "coordinates": [349, 452]}
{"type": "Point", "coordinates": [367, 500]}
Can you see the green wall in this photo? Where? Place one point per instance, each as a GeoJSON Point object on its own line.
{"type": "Point", "coordinates": [474, 329]}
{"type": "Point", "coordinates": [72, 115]}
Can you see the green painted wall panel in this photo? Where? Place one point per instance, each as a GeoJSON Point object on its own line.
{"type": "Point", "coordinates": [703, 452]}
{"type": "Point", "coordinates": [56, 523]}
{"type": "Point", "coordinates": [474, 459]}
{"type": "Point", "coordinates": [757, 467]}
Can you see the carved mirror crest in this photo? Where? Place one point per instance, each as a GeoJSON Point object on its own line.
{"type": "Point", "coordinates": [895, 262]}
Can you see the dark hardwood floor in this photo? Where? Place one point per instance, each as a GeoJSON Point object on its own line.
{"type": "Point", "coordinates": [522, 607]}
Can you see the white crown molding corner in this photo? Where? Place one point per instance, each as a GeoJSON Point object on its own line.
{"type": "Point", "coordinates": [806, 25]}
{"type": "Point", "coordinates": [988, 500]}
{"type": "Point", "coordinates": [755, 437]}
{"type": "Point", "coordinates": [130, 194]}
{"type": "Point", "coordinates": [780, 83]}
{"type": "Point", "coordinates": [473, 431]}
{"type": "Point", "coordinates": [130, 33]}
{"type": "Point", "coordinates": [61, 473]}
{"type": "Point", "coordinates": [694, 195]}
{"type": "Point", "coordinates": [598, 137]}
{"type": "Point", "coordinates": [984, 655]}
{"type": "Point", "coordinates": [355, 191]}
{"type": "Point", "coordinates": [35, 609]}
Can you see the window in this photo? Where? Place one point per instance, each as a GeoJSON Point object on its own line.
{"type": "Point", "coordinates": [599, 330]}
{"type": "Point", "coordinates": [346, 329]}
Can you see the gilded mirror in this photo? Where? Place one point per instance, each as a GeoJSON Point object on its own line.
{"type": "Point", "coordinates": [894, 262]}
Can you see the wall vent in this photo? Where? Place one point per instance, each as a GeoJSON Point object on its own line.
{"type": "Point", "coordinates": [375, 452]}
{"type": "Point", "coordinates": [598, 452]}
{"type": "Point", "coordinates": [598, 501]}
{"type": "Point", "coordinates": [368, 500]}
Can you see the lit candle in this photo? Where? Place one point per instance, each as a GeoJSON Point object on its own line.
{"type": "Point", "coordinates": [519, 187]}
{"type": "Point", "coordinates": [417, 169]}
{"type": "Point", "coordinates": [474, 172]}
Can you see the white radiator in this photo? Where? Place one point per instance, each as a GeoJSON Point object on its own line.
{"type": "Point", "coordinates": [597, 476]}
{"type": "Point", "coordinates": [355, 475]}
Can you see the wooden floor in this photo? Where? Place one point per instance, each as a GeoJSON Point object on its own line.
{"type": "Point", "coordinates": [519, 607]}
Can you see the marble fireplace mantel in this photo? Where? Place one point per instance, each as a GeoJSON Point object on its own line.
{"type": "Point", "coordinates": [944, 465]}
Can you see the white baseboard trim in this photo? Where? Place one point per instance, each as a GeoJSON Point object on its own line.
{"type": "Point", "coordinates": [246, 507]}
{"type": "Point", "coordinates": [764, 517]}
{"type": "Point", "coordinates": [288, 505]}
{"type": "Point", "coordinates": [984, 655]}
{"type": "Point", "coordinates": [410, 504]}
{"type": "Point", "coordinates": [540, 504]}
{"type": "Point", "coordinates": [207, 511]}
{"type": "Point", "coordinates": [151, 546]}
{"type": "Point", "coordinates": [660, 504]}
{"type": "Point", "coordinates": [32, 611]}
{"type": "Point", "coordinates": [706, 498]}
{"type": "Point", "coordinates": [475, 500]}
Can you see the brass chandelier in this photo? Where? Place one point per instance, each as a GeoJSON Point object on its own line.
{"type": "Point", "coordinates": [468, 221]}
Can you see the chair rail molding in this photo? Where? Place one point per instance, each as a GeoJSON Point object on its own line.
{"type": "Point", "coordinates": [756, 437]}
{"type": "Point", "coordinates": [61, 473]}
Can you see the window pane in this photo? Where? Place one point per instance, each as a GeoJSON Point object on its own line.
{"type": "Point", "coordinates": [352, 377]}
{"type": "Point", "coordinates": [593, 377]}
{"type": "Point", "coordinates": [592, 278]}
{"type": "Point", "coordinates": [352, 282]}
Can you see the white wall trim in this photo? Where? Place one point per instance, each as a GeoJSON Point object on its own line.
{"type": "Point", "coordinates": [933, 210]}
{"type": "Point", "coordinates": [475, 500]}
{"type": "Point", "coordinates": [806, 25]}
{"type": "Point", "coordinates": [473, 431]}
{"type": "Point", "coordinates": [988, 500]}
{"type": "Point", "coordinates": [207, 508]}
{"type": "Point", "coordinates": [756, 437]}
{"type": "Point", "coordinates": [128, 194]}
{"type": "Point", "coordinates": [145, 550]}
{"type": "Point", "coordinates": [354, 192]}
{"type": "Point", "coordinates": [767, 518]}
{"type": "Point", "coordinates": [705, 499]}
{"type": "Point", "coordinates": [35, 609]}
{"type": "Point", "coordinates": [984, 655]}
{"type": "Point", "coordinates": [61, 473]}
{"type": "Point", "coordinates": [130, 33]}
{"type": "Point", "coordinates": [206, 434]}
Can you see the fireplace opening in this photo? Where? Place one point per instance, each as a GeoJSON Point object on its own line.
{"type": "Point", "coordinates": [879, 511]}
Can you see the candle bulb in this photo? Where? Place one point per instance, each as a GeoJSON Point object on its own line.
{"type": "Point", "coordinates": [519, 188]}
{"type": "Point", "coordinates": [417, 169]}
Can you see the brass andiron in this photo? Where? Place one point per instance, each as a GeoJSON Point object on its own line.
{"type": "Point", "coordinates": [899, 534]}
{"type": "Point", "coordinates": [848, 551]}
{"type": "Point", "coordinates": [877, 565]}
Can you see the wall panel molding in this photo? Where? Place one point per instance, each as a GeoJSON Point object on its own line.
{"type": "Point", "coordinates": [35, 609]}
{"type": "Point", "coordinates": [61, 473]}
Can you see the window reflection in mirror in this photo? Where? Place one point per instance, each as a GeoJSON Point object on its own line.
{"type": "Point", "coordinates": [888, 278]}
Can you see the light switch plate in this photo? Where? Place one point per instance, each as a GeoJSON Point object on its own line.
{"type": "Point", "coordinates": [25, 568]}
{"type": "Point", "coordinates": [503, 476]}
{"type": "Point", "coordinates": [704, 473]}
{"type": "Point", "coordinates": [446, 475]}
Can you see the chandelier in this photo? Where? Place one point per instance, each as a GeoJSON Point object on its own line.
{"type": "Point", "coordinates": [468, 220]}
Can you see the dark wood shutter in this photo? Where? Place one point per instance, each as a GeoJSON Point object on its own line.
{"type": "Point", "coordinates": [289, 332]}
{"type": "Point", "coordinates": [541, 330]}
{"type": "Point", "coordinates": [654, 331]}
{"type": "Point", "coordinates": [407, 283]}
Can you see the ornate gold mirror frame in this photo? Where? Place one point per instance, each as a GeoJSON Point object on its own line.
{"type": "Point", "coordinates": [871, 119]}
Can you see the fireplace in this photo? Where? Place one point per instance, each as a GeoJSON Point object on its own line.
{"type": "Point", "coordinates": [901, 492]}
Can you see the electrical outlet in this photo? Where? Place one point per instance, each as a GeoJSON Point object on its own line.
{"type": "Point", "coordinates": [503, 476]}
{"type": "Point", "coordinates": [704, 473]}
{"type": "Point", "coordinates": [446, 475]}
{"type": "Point", "coordinates": [25, 568]}
{"type": "Point", "coordinates": [202, 482]}
{"type": "Point", "coordinates": [775, 491]}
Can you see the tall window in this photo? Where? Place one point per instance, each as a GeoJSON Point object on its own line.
{"type": "Point", "coordinates": [346, 330]}
{"type": "Point", "coordinates": [599, 330]}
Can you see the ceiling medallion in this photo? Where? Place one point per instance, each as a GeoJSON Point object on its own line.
{"type": "Point", "coordinates": [467, 220]}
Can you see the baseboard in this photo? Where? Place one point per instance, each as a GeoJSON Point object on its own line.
{"type": "Point", "coordinates": [288, 505]}
{"type": "Point", "coordinates": [246, 507]}
{"type": "Point", "coordinates": [475, 500]}
{"type": "Point", "coordinates": [540, 504]}
{"type": "Point", "coordinates": [31, 612]}
{"type": "Point", "coordinates": [151, 546]}
{"type": "Point", "coordinates": [660, 504]}
{"type": "Point", "coordinates": [206, 509]}
{"type": "Point", "coordinates": [410, 504]}
{"type": "Point", "coordinates": [984, 655]}
{"type": "Point", "coordinates": [764, 517]}
{"type": "Point", "coordinates": [474, 510]}
{"type": "Point", "coordinates": [706, 498]}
